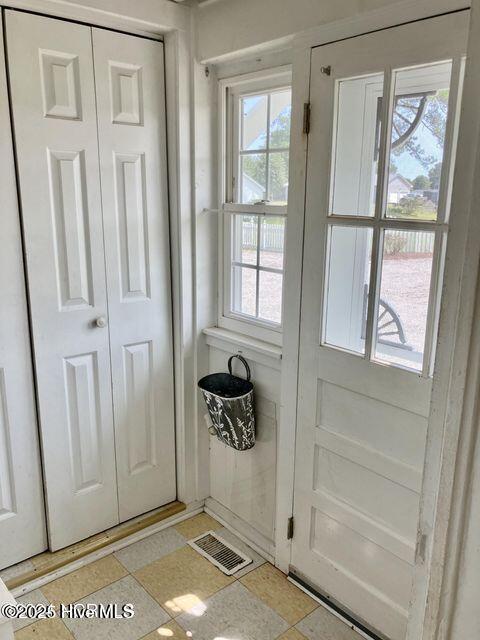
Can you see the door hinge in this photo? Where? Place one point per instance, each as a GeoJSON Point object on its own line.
{"type": "Point", "coordinates": [290, 528]}
{"type": "Point", "coordinates": [306, 117]}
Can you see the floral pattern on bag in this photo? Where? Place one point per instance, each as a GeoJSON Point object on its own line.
{"type": "Point", "coordinates": [233, 419]}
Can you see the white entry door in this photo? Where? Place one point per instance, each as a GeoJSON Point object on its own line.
{"type": "Point", "coordinates": [22, 516]}
{"type": "Point", "coordinates": [380, 159]}
{"type": "Point", "coordinates": [89, 127]}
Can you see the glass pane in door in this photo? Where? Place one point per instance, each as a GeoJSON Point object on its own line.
{"type": "Point", "coordinates": [419, 120]}
{"type": "Point", "coordinates": [346, 287]}
{"type": "Point", "coordinates": [355, 146]}
{"type": "Point", "coordinates": [406, 272]}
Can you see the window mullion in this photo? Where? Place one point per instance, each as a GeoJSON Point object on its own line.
{"type": "Point", "coordinates": [434, 296]}
{"type": "Point", "coordinates": [257, 275]}
{"type": "Point", "coordinates": [380, 200]}
{"type": "Point", "coordinates": [267, 157]}
{"type": "Point", "coordinates": [451, 134]}
{"type": "Point", "coordinates": [235, 137]}
{"type": "Point", "coordinates": [250, 152]}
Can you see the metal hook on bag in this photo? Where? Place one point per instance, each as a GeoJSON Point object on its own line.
{"type": "Point", "coordinates": [243, 361]}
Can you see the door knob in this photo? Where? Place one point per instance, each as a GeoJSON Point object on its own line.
{"type": "Point", "coordinates": [101, 322]}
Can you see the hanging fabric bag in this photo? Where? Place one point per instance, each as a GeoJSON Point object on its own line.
{"type": "Point", "coordinates": [229, 401]}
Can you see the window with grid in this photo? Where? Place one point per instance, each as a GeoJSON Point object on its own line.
{"type": "Point", "coordinates": [258, 116]}
{"type": "Point", "coordinates": [388, 214]}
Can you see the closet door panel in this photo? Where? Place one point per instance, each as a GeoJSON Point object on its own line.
{"type": "Point", "coordinates": [22, 515]}
{"type": "Point", "coordinates": [53, 100]}
{"type": "Point", "coordinates": [129, 75]}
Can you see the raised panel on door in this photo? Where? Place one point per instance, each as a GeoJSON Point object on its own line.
{"type": "Point", "coordinates": [22, 514]}
{"type": "Point", "coordinates": [129, 73]}
{"type": "Point", "coordinates": [363, 408]}
{"type": "Point", "coordinates": [57, 155]}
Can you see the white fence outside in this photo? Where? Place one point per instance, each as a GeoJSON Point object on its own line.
{"type": "Point", "coordinates": [416, 242]}
{"type": "Point", "coordinates": [272, 239]}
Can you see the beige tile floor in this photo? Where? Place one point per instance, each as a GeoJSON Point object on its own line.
{"type": "Point", "coordinates": [178, 594]}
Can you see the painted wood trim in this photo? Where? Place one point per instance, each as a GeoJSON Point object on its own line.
{"type": "Point", "coordinates": [453, 424]}
{"type": "Point", "coordinates": [179, 144]}
{"type": "Point", "coordinates": [5, 596]}
{"type": "Point", "coordinates": [146, 18]}
{"type": "Point", "coordinates": [224, 339]}
{"type": "Point", "coordinates": [291, 309]}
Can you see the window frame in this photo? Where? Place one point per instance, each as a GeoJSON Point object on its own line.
{"type": "Point", "coordinates": [230, 89]}
{"type": "Point", "coordinates": [379, 223]}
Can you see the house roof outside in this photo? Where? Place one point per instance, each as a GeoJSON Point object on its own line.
{"type": "Point", "coordinates": [400, 181]}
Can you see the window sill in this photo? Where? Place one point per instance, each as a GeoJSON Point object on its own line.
{"type": "Point", "coordinates": [253, 349]}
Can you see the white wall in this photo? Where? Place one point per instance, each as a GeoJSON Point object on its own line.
{"type": "Point", "coordinates": [248, 23]}
{"type": "Point", "coordinates": [454, 580]}
{"type": "Point", "coordinates": [243, 482]}
{"type": "Point", "coordinates": [206, 245]}
{"type": "Point", "coordinates": [228, 27]}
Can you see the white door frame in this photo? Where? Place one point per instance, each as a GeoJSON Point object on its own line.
{"type": "Point", "coordinates": [451, 386]}
{"type": "Point", "coordinates": [169, 22]}
{"type": "Point", "coordinates": [451, 456]}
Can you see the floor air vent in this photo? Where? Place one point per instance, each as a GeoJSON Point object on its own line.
{"type": "Point", "coordinates": [220, 553]}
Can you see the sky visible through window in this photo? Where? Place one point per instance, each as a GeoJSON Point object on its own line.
{"type": "Point", "coordinates": [277, 125]}
{"type": "Point", "coordinates": [422, 152]}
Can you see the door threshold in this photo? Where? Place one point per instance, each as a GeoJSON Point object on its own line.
{"type": "Point", "coordinates": [346, 617]}
{"type": "Point", "coordinates": [50, 561]}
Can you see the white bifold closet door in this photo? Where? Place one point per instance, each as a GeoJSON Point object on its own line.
{"type": "Point", "coordinates": [129, 77]}
{"type": "Point", "coordinates": [95, 216]}
{"type": "Point", "coordinates": [22, 519]}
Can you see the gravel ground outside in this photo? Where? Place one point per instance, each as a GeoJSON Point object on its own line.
{"type": "Point", "coordinates": [406, 287]}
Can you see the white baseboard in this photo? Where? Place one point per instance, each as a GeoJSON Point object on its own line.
{"type": "Point", "coordinates": [6, 625]}
{"type": "Point", "coordinates": [259, 543]}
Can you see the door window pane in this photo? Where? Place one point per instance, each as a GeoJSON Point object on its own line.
{"type": "Point", "coordinates": [356, 142]}
{"type": "Point", "coordinates": [348, 274]}
{"type": "Point", "coordinates": [419, 119]}
{"type": "Point", "coordinates": [406, 271]}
